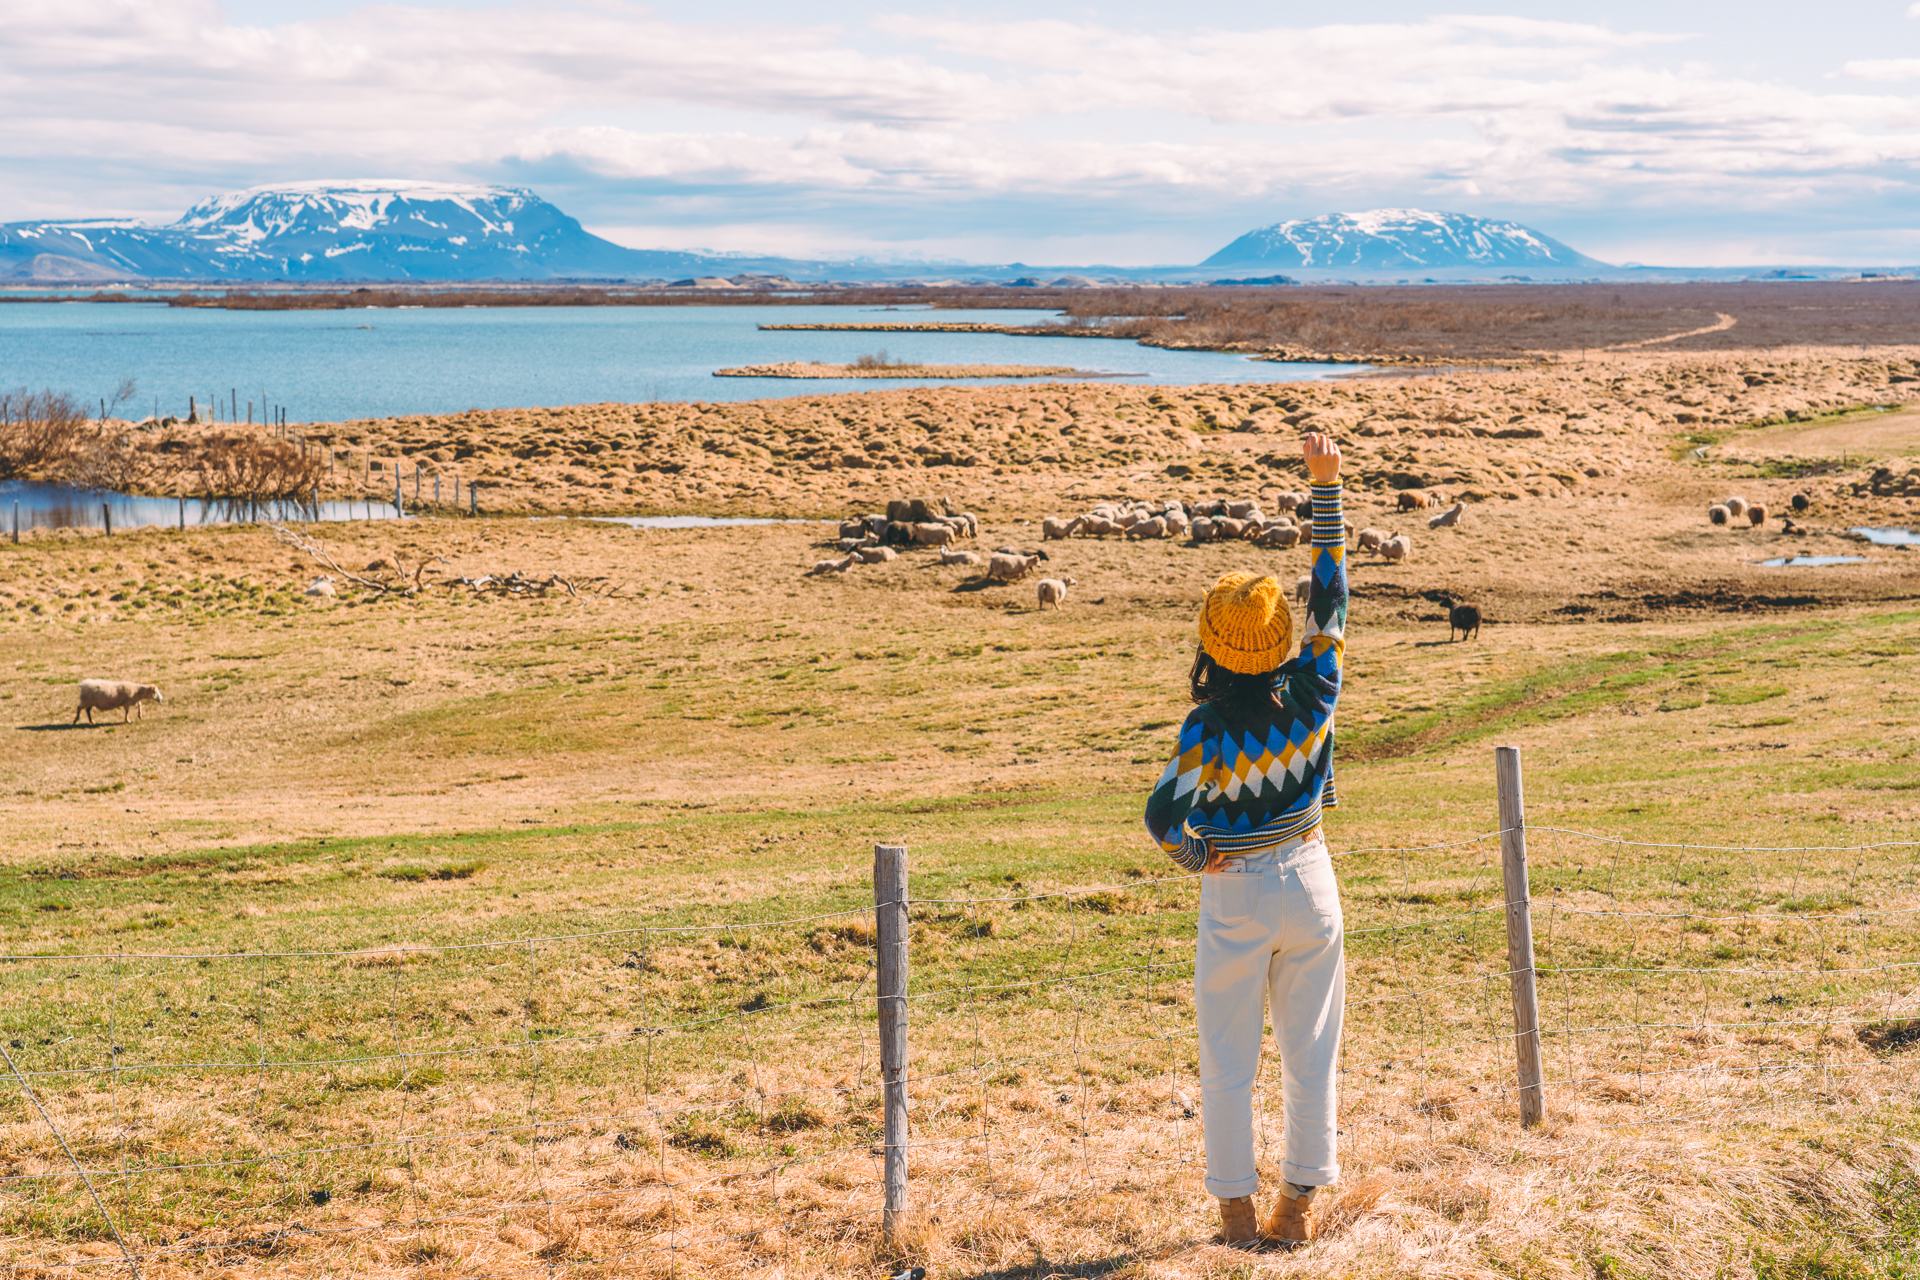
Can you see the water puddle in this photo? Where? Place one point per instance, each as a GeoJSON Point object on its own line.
{"type": "Point", "coordinates": [26, 505]}
{"type": "Point", "coordinates": [1809, 562]}
{"type": "Point", "coordinates": [1889, 537]}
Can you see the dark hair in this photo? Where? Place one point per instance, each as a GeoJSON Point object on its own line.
{"type": "Point", "coordinates": [1238, 697]}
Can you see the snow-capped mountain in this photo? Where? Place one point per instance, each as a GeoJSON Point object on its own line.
{"type": "Point", "coordinates": [1398, 239]}
{"type": "Point", "coordinates": [366, 230]}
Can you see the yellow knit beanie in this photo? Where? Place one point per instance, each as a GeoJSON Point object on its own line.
{"type": "Point", "coordinates": [1244, 625]}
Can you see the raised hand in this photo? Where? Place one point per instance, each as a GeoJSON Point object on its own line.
{"type": "Point", "coordinates": [1323, 458]}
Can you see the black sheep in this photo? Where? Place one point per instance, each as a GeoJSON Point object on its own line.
{"type": "Point", "coordinates": [1465, 619]}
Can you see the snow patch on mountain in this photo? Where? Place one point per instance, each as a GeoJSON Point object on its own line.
{"type": "Point", "coordinates": [1396, 239]}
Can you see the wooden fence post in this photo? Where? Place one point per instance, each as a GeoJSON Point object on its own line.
{"type": "Point", "coordinates": [1526, 998]}
{"type": "Point", "coordinates": [890, 939]}
{"type": "Point", "coordinates": [106, 518]}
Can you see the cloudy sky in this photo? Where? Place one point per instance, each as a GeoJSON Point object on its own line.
{"type": "Point", "coordinates": [1715, 132]}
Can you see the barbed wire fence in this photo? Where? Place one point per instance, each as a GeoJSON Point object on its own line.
{"type": "Point", "coordinates": [676, 1098]}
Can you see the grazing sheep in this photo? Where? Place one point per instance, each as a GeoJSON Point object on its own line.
{"type": "Point", "coordinates": [1347, 532]}
{"type": "Point", "coordinates": [1757, 514]}
{"type": "Point", "coordinates": [1801, 501]}
{"type": "Point", "coordinates": [834, 566]}
{"type": "Point", "coordinates": [321, 586]}
{"type": "Point", "coordinates": [952, 555]}
{"type": "Point", "coordinates": [1447, 519]}
{"type": "Point", "coordinates": [1302, 585]}
{"type": "Point", "coordinates": [1286, 503]}
{"type": "Point", "coordinates": [1369, 540]}
{"type": "Point", "coordinates": [1465, 619]}
{"type": "Point", "coordinates": [932, 535]}
{"type": "Point", "coordinates": [1053, 591]}
{"type": "Point", "coordinates": [1412, 500]}
{"type": "Point", "coordinates": [1101, 526]}
{"type": "Point", "coordinates": [123, 696]}
{"type": "Point", "coordinates": [1005, 566]}
{"type": "Point", "coordinates": [1201, 529]}
{"type": "Point", "coordinates": [1154, 528]}
{"type": "Point", "coordinates": [1280, 535]}
{"type": "Point", "coordinates": [1736, 507]}
{"type": "Point", "coordinates": [855, 528]}
{"type": "Point", "coordinates": [1717, 514]}
{"type": "Point", "coordinates": [1058, 530]}
{"type": "Point", "coordinates": [1397, 548]}
{"type": "Point", "coordinates": [1176, 522]}
{"type": "Point", "coordinates": [1242, 510]}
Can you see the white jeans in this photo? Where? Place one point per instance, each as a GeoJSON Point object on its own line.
{"type": "Point", "coordinates": [1270, 926]}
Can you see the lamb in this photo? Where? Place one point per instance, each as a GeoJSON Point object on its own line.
{"type": "Point", "coordinates": [1717, 514]}
{"type": "Point", "coordinates": [1397, 548]}
{"type": "Point", "coordinates": [1757, 514]}
{"type": "Point", "coordinates": [953, 555]}
{"type": "Point", "coordinates": [835, 566]}
{"type": "Point", "coordinates": [1736, 507]}
{"type": "Point", "coordinates": [1005, 566]}
{"type": "Point", "coordinates": [1465, 619]}
{"type": "Point", "coordinates": [876, 555]}
{"type": "Point", "coordinates": [1369, 540]}
{"type": "Point", "coordinates": [932, 535]}
{"type": "Point", "coordinates": [1447, 519]}
{"type": "Point", "coordinates": [1053, 591]}
{"type": "Point", "coordinates": [1302, 586]}
{"type": "Point", "coordinates": [123, 696]}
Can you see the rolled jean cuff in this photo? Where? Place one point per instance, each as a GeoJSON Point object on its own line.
{"type": "Point", "coordinates": [1301, 1175]}
{"type": "Point", "coordinates": [1233, 1190]}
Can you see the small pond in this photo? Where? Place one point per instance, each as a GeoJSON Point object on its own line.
{"type": "Point", "coordinates": [679, 522]}
{"type": "Point", "coordinates": [29, 505]}
{"type": "Point", "coordinates": [1889, 537]}
{"type": "Point", "coordinates": [1809, 562]}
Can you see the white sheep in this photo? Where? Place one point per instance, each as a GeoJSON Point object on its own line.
{"type": "Point", "coordinates": [1736, 507]}
{"type": "Point", "coordinates": [1053, 591]}
{"type": "Point", "coordinates": [1280, 535]}
{"type": "Point", "coordinates": [1006, 566]}
{"type": "Point", "coordinates": [1717, 514]}
{"type": "Point", "coordinates": [876, 555]}
{"type": "Point", "coordinates": [1154, 528]}
{"type": "Point", "coordinates": [1302, 585]}
{"type": "Point", "coordinates": [123, 696]}
{"type": "Point", "coordinates": [953, 555]}
{"type": "Point", "coordinates": [1227, 529]}
{"type": "Point", "coordinates": [1242, 510]}
{"type": "Point", "coordinates": [835, 566]}
{"type": "Point", "coordinates": [932, 535]}
{"type": "Point", "coordinates": [1397, 548]}
{"type": "Point", "coordinates": [322, 586]}
{"type": "Point", "coordinates": [1176, 522]}
{"type": "Point", "coordinates": [1201, 528]}
{"type": "Point", "coordinates": [1447, 519]}
{"type": "Point", "coordinates": [1055, 529]}
{"type": "Point", "coordinates": [1369, 540]}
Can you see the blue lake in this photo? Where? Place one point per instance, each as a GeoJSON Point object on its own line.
{"type": "Point", "coordinates": [332, 366]}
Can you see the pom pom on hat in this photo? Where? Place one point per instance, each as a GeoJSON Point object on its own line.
{"type": "Point", "coordinates": [1244, 624]}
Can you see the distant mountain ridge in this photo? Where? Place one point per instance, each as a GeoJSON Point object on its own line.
{"type": "Point", "coordinates": [1400, 239]}
{"type": "Point", "coordinates": [358, 230]}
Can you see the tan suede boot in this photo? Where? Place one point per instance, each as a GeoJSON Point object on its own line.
{"type": "Point", "coordinates": [1292, 1222]}
{"type": "Point", "coordinates": [1239, 1224]}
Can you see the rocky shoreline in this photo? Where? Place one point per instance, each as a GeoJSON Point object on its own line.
{"type": "Point", "coordinates": [808, 369]}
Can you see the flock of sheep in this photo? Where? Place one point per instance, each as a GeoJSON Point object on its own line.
{"type": "Point", "coordinates": [876, 538]}
{"type": "Point", "coordinates": [1730, 510]}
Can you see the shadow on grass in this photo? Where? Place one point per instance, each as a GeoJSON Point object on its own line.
{"type": "Point", "coordinates": [59, 727]}
{"type": "Point", "coordinates": [1041, 1269]}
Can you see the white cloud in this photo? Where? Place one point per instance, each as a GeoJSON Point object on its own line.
{"type": "Point", "coordinates": [947, 120]}
{"type": "Point", "coordinates": [1883, 69]}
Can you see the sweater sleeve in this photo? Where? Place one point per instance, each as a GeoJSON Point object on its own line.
{"type": "Point", "coordinates": [1173, 796]}
{"type": "Point", "coordinates": [1323, 643]}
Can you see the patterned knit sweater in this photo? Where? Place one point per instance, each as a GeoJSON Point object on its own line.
{"type": "Point", "coordinates": [1254, 784]}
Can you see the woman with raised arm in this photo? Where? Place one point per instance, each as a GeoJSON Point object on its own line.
{"type": "Point", "coordinates": [1241, 802]}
